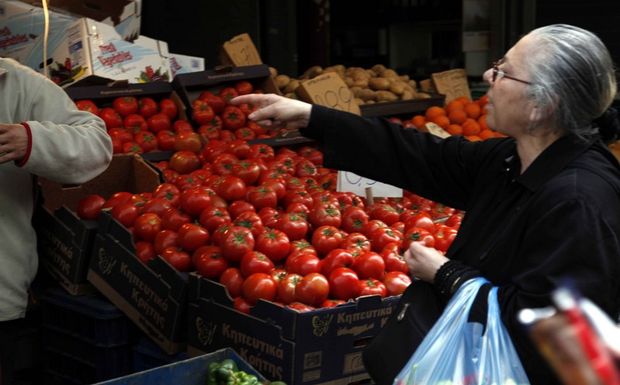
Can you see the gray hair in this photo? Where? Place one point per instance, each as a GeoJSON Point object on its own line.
{"type": "Point", "coordinates": [572, 76]}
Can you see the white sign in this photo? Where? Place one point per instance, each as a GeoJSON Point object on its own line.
{"type": "Point", "coordinates": [350, 182]}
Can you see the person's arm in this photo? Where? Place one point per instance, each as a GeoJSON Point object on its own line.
{"type": "Point", "coordinates": [64, 144]}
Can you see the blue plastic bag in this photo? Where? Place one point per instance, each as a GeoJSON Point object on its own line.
{"type": "Point", "coordinates": [457, 352]}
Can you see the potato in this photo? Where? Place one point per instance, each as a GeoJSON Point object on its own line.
{"type": "Point", "coordinates": [404, 78]}
{"type": "Point", "coordinates": [372, 73]}
{"type": "Point", "coordinates": [349, 81]}
{"type": "Point", "coordinates": [422, 95]}
{"type": "Point", "coordinates": [378, 68]}
{"type": "Point", "coordinates": [397, 87]}
{"type": "Point", "coordinates": [312, 72]}
{"type": "Point", "coordinates": [366, 94]}
{"type": "Point", "coordinates": [282, 81]}
{"type": "Point", "coordinates": [386, 96]}
{"type": "Point", "coordinates": [388, 73]}
{"type": "Point", "coordinates": [379, 84]}
{"type": "Point", "coordinates": [273, 72]}
{"type": "Point", "coordinates": [363, 83]}
{"type": "Point", "coordinates": [355, 90]}
{"type": "Point", "coordinates": [413, 84]}
{"type": "Point", "coordinates": [291, 86]}
{"type": "Point", "coordinates": [406, 95]}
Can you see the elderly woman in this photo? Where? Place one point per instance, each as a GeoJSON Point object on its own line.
{"type": "Point", "coordinates": [542, 205]}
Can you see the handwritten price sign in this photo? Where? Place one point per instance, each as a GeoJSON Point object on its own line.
{"type": "Point", "coordinates": [241, 51]}
{"type": "Point", "coordinates": [351, 182]}
{"type": "Point", "coordinates": [328, 90]}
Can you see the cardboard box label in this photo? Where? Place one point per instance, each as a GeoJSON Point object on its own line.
{"type": "Point", "coordinates": [241, 51]}
{"type": "Point", "coordinates": [329, 90]}
{"type": "Point", "coordinates": [452, 83]}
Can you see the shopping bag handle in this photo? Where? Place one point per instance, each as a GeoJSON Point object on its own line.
{"type": "Point", "coordinates": [480, 307]}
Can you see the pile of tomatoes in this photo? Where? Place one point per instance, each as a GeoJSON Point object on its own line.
{"type": "Point", "coordinates": [139, 125]}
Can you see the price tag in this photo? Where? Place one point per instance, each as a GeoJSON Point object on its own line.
{"type": "Point", "coordinates": [241, 51]}
{"type": "Point", "coordinates": [436, 130]}
{"type": "Point", "coordinates": [351, 182]}
{"type": "Point", "coordinates": [452, 83]}
{"type": "Point", "coordinates": [328, 90]}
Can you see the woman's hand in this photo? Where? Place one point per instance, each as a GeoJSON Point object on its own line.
{"type": "Point", "coordinates": [275, 110]}
{"type": "Point", "coordinates": [423, 261]}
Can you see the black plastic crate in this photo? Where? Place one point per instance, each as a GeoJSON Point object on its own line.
{"type": "Point", "coordinates": [147, 355]}
{"type": "Point", "coordinates": [90, 318]}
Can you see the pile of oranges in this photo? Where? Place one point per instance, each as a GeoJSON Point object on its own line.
{"type": "Point", "coordinates": [459, 117]}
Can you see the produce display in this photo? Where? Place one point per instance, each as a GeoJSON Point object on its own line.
{"type": "Point", "coordinates": [226, 372]}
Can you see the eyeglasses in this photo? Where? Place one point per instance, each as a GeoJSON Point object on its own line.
{"type": "Point", "coordinates": [498, 74]}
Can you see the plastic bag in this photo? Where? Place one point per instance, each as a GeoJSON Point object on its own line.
{"type": "Point", "coordinates": [458, 352]}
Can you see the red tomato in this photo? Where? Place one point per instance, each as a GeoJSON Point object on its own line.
{"type": "Point", "coordinates": [393, 260]}
{"type": "Point", "coordinates": [233, 280]}
{"type": "Point", "coordinates": [241, 305]}
{"type": "Point", "coordinates": [110, 117]}
{"type": "Point", "coordinates": [212, 217]}
{"type": "Point", "coordinates": [145, 251]}
{"type": "Point", "coordinates": [125, 105]}
{"type": "Point", "coordinates": [131, 148]}
{"type": "Point", "coordinates": [372, 286]}
{"type": "Point", "coordinates": [262, 196]}
{"type": "Point", "coordinates": [336, 258]}
{"type": "Point", "coordinates": [209, 262]}
{"type": "Point", "coordinates": [195, 200]}
{"type": "Point", "coordinates": [146, 226]}
{"type": "Point", "coordinates": [250, 220]}
{"type": "Point", "coordinates": [326, 238]}
{"type": "Point", "coordinates": [417, 234]}
{"type": "Point", "coordinates": [356, 241]}
{"type": "Point", "coordinates": [343, 283]}
{"type": "Point", "coordinates": [147, 106]}
{"type": "Point", "coordinates": [332, 303]}
{"type": "Point", "coordinates": [381, 237]}
{"type": "Point", "coordinates": [232, 188]}
{"type": "Point", "coordinates": [87, 105]}
{"type": "Point", "coordinates": [421, 220]}
{"type": "Point", "coordinates": [184, 162]}
{"type": "Point", "coordinates": [286, 288]}
{"type": "Point", "coordinates": [302, 263]}
{"type": "Point", "coordinates": [244, 133]}
{"type": "Point", "coordinates": [188, 140]}
{"type": "Point", "coordinates": [126, 213]}
{"type": "Point", "coordinates": [325, 215]}
{"type": "Point", "coordinates": [156, 206]}
{"type": "Point", "coordinates": [178, 258]}
{"type": "Point", "coordinates": [372, 225]}
{"type": "Point", "coordinates": [192, 236]}
{"type": "Point", "coordinates": [269, 216]}
{"type": "Point", "coordinates": [90, 206]}
{"type": "Point", "coordinates": [247, 170]}
{"type": "Point", "coordinates": [255, 262]}
{"type": "Point", "coordinates": [169, 192]}
{"type": "Point", "coordinates": [454, 221]}
{"type": "Point", "coordinates": [172, 219]}
{"type": "Point", "coordinates": [444, 235]}
{"type": "Point", "coordinates": [244, 87]}
{"type": "Point", "coordinates": [181, 125]}
{"type": "Point", "coordinates": [227, 93]}
{"type": "Point", "coordinates": [293, 225]}
{"type": "Point", "coordinates": [262, 151]}
{"type": "Point", "coordinates": [216, 102]}
{"type": "Point", "coordinates": [165, 140]}
{"type": "Point", "coordinates": [298, 208]}
{"type": "Point", "coordinates": [300, 307]}
{"type": "Point", "coordinates": [274, 243]}
{"type": "Point", "coordinates": [232, 118]}
{"type": "Point", "coordinates": [238, 241]}
{"type": "Point", "coordinates": [276, 185]}
{"type": "Point", "coordinates": [135, 123]}
{"type": "Point", "coordinates": [384, 212]}
{"type": "Point", "coordinates": [396, 282]}
{"type": "Point", "coordinates": [236, 208]}
{"type": "Point", "coordinates": [158, 122]}
{"type": "Point", "coordinates": [146, 140]}
{"type": "Point", "coordinates": [202, 113]}
{"type": "Point", "coordinates": [165, 238]}
{"type": "Point", "coordinates": [168, 107]}
{"type": "Point", "coordinates": [369, 265]}
{"type": "Point", "coordinates": [312, 290]}
{"type": "Point", "coordinates": [259, 286]}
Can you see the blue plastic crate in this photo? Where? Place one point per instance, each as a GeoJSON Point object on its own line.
{"type": "Point", "coordinates": [192, 371]}
{"type": "Point", "coordinates": [147, 355]}
{"type": "Point", "coordinates": [90, 318]}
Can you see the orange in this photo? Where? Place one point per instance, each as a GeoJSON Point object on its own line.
{"type": "Point", "coordinates": [455, 129]}
{"type": "Point", "coordinates": [454, 105]}
{"type": "Point", "coordinates": [473, 138]}
{"type": "Point", "coordinates": [484, 99]}
{"type": "Point", "coordinates": [471, 127]}
{"type": "Point", "coordinates": [463, 99]}
{"type": "Point", "coordinates": [434, 111]}
{"type": "Point", "coordinates": [486, 134]}
{"type": "Point", "coordinates": [473, 110]}
{"type": "Point", "coordinates": [457, 116]}
{"type": "Point", "coordinates": [482, 121]}
{"type": "Point", "coordinates": [441, 120]}
{"type": "Point", "coordinates": [418, 121]}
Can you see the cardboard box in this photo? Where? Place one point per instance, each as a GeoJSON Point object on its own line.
{"type": "Point", "coordinates": [318, 347]}
{"type": "Point", "coordinates": [64, 240]}
{"type": "Point", "coordinates": [159, 46]}
{"type": "Point", "coordinates": [22, 24]}
{"type": "Point", "coordinates": [190, 85]}
{"type": "Point", "coordinates": [183, 64]}
{"type": "Point", "coordinates": [152, 295]}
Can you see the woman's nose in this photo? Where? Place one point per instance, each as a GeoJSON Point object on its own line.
{"type": "Point", "coordinates": [488, 75]}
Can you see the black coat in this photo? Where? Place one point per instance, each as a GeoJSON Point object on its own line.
{"type": "Point", "coordinates": [526, 233]}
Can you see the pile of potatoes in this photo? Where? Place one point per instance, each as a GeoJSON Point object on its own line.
{"type": "Point", "coordinates": [373, 85]}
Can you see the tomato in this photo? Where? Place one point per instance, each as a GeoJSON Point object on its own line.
{"type": "Point", "coordinates": [250, 220]}
{"type": "Point", "coordinates": [444, 235]}
{"type": "Point", "coordinates": [369, 265]}
{"type": "Point", "coordinates": [181, 125]}
{"type": "Point", "coordinates": [325, 215]}
{"type": "Point", "coordinates": [110, 117]}
{"type": "Point", "coordinates": [244, 133]}
{"type": "Point", "coordinates": [372, 286]}
{"type": "Point", "coordinates": [244, 87]}
{"type": "Point", "coordinates": [232, 118]}
{"type": "Point", "coordinates": [165, 238]}
{"type": "Point", "coordinates": [147, 106]}
{"type": "Point", "coordinates": [169, 192]}
{"type": "Point", "coordinates": [326, 238]}
{"type": "Point", "coordinates": [146, 226]}
{"type": "Point", "coordinates": [223, 164]}
{"type": "Point", "coordinates": [302, 263]}
{"type": "Point", "coordinates": [302, 245]}
{"type": "Point", "coordinates": [383, 212]}
{"type": "Point", "coordinates": [312, 154]}
{"type": "Point", "coordinates": [215, 101]}
{"type": "Point", "coordinates": [382, 236]}
{"type": "Point", "coordinates": [255, 262]}
{"type": "Point", "coordinates": [441, 211]}
{"type": "Point", "coordinates": [276, 185]}
{"type": "Point", "coordinates": [146, 140]}
{"type": "Point", "coordinates": [202, 113]}
{"type": "Point", "coordinates": [209, 262]}
{"type": "Point", "coordinates": [417, 234]}
{"type": "Point", "coordinates": [278, 274]}
{"type": "Point", "coordinates": [396, 282]}
{"type": "Point", "coordinates": [392, 258]}
{"type": "Point", "coordinates": [299, 209]}
{"type": "Point", "coordinates": [372, 225]}
{"type": "Point", "coordinates": [237, 241]}
{"type": "Point", "coordinates": [256, 128]}
{"type": "Point", "coordinates": [293, 225]}
{"type": "Point", "coordinates": [90, 206]}
{"type": "Point", "coordinates": [247, 170]}
{"type": "Point", "coordinates": [241, 305]}
{"type": "Point", "coordinates": [135, 123]}
{"type": "Point", "coordinates": [236, 208]}
{"type": "Point", "coordinates": [158, 122]}
{"type": "Point", "coordinates": [328, 181]}
{"type": "Point", "coordinates": [286, 288]}
{"type": "Point", "coordinates": [356, 241]}
{"type": "Point", "coordinates": [188, 140]}
{"type": "Point", "coordinates": [261, 150]}
{"type": "Point", "coordinates": [192, 236]}
{"type": "Point", "coordinates": [334, 259]}
{"type": "Point", "coordinates": [165, 140]}
{"type": "Point", "coordinates": [178, 258]}
{"type": "Point", "coordinates": [184, 162]}
{"type": "Point", "coordinates": [121, 133]}
{"type": "Point", "coordinates": [274, 243]}
{"type": "Point", "coordinates": [300, 307]}
{"type": "Point", "coordinates": [232, 188]}
{"type": "Point", "coordinates": [144, 251]}
{"type": "Point", "coordinates": [312, 290]}
{"type": "Point", "coordinates": [322, 197]}
{"type": "Point", "coordinates": [168, 107]}
{"type": "Point", "coordinates": [195, 200]}
{"type": "Point", "coordinates": [131, 148]}
{"type": "Point", "coordinates": [454, 221]}
{"type": "Point", "coordinates": [173, 219]}
{"type": "Point", "coordinates": [87, 105]}
{"type": "Point", "coordinates": [125, 213]}
{"type": "Point", "coordinates": [262, 196]}
{"type": "Point", "coordinates": [269, 216]}
{"type": "Point", "coordinates": [212, 217]}
{"type": "Point", "coordinates": [227, 93]}
{"type": "Point", "coordinates": [259, 286]}
{"type": "Point", "coordinates": [343, 283]}
{"type": "Point", "coordinates": [125, 105]}
{"type": "Point", "coordinates": [421, 220]}
{"type": "Point", "coordinates": [233, 280]}
{"type": "Point", "coordinates": [297, 196]}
